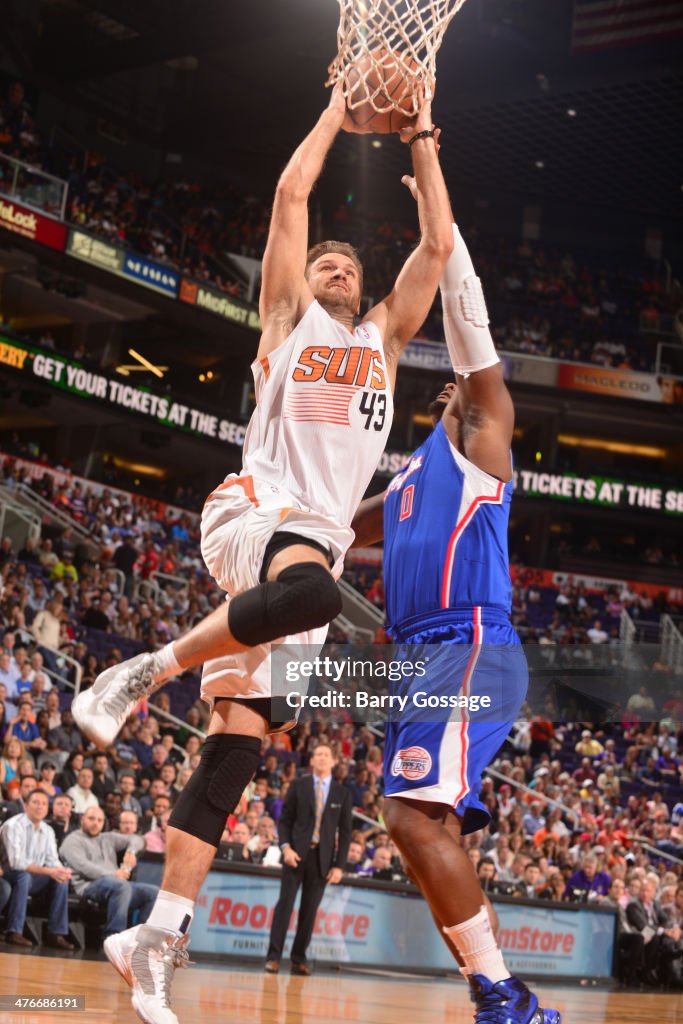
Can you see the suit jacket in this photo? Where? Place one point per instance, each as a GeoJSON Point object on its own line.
{"type": "Point", "coordinates": [636, 915]}
{"type": "Point", "coordinates": [297, 821]}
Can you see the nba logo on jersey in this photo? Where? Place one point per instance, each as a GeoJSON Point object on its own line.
{"type": "Point", "coordinates": [412, 763]}
{"type": "Point", "coordinates": [364, 332]}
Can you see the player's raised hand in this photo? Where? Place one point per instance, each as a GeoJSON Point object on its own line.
{"type": "Point", "coordinates": [408, 179]}
{"type": "Point", "coordinates": [422, 122]}
{"type": "Point", "coordinates": [337, 104]}
{"type": "Point", "coordinates": [338, 101]}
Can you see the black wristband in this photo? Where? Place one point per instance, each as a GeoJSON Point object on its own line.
{"type": "Point", "coordinates": [422, 135]}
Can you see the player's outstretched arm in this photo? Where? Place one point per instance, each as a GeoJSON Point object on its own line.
{"type": "Point", "coordinates": [485, 405]}
{"type": "Point", "coordinates": [484, 399]}
{"type": "Point", "coordinates": [368, 522]}
{"type": "Point", "coordinates": [285, 295]}
{"type": "Point", "coordinates": [488, 420]}
{"type": "Point", "coordinates": [403, 311]}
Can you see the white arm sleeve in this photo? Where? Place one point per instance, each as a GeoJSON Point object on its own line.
{"type": "Point", "coordinates": [465, 318]}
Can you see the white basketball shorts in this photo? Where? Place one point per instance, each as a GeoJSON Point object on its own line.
{"type": "Point", "coordinates": [238, 520]}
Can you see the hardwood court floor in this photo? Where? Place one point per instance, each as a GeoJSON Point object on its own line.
{"type": "Point", "coordinates": [246, 996]}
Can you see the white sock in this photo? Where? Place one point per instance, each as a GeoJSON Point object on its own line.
{"type": "Point", "coordinates": [172, 913]}
{"type": "Point", "coordinates": [168, 664]}
{"type": "Point", "coordinates": [476, 944]}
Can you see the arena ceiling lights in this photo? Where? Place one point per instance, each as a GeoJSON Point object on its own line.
{"type": "Point", "coordinates": [142, 366]}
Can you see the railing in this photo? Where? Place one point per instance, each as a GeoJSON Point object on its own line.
{"type": "Point", "coordinates": [162, 578]}
{"type": "Point", "coordinates": [60, 478]}
{"type": "Point", "coordinates": [34, 187]}
{"type": "Point", "coordinates": [659, 323]}
{"type": "Point", "coordinates": [146, 590]}
{"type": "Point", "coordinates": [495, 774]}
{"type": "Point", "coordinates": [647, 631]}
{"type": "Point", "coordinates": [356, 634]}
{"type": "Point", "coordinates": [357, 610]}
{"type": "Point", "coordinates": [78, 669]}
{"type": "Point", "coordinates": [653, 849]}
{"type": "Point", "coordinates": [627, 629]}
{"type": "Point", "coordinates": [120, 578]}
{"type": "Point", "coordinates": [168, 717]}
{"type": "Point", "coordinates": [672, 644]}
{"type": "Point", "coordinates": [669, 357]}
{"type": "Point", "coordinates": [153, 588]}
{"type": "Point", "coordinates": [47, 510]}
{"type": "Point", "coordinates": [13, 513]}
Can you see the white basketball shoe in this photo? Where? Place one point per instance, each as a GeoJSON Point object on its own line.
{"type": "Point", "coordinates": [101, 710]}
{"type": "Point", "coordinates": [146, 959]}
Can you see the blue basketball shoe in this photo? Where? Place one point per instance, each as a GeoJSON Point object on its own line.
{"type": "Point", "coordinates": [507, 1002]}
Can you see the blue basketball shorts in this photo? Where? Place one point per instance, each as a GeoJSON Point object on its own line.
{"type": "Point", "coordinates": [439, 755]}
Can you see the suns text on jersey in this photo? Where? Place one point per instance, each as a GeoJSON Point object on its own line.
{"type": "Point", "coordinates": [357, 364]}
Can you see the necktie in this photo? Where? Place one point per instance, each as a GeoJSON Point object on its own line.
{"type": "Point", "coordinates": [319, 806]}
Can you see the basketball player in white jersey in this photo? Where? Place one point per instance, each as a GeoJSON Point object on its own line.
{"type": "Point", "coordinates": [274, 536]}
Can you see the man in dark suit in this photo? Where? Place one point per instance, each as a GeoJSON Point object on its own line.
{"type": "Point", "coordinates": [647, 918]}
{"type": "Point", "coordinates": [315, 832]}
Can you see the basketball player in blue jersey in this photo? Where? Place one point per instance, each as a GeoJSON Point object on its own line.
{"type": "Point", "coordinates": [444, 521]}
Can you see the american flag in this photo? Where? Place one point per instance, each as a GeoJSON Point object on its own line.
{"type": "Point", "coordinates": [598, 24]}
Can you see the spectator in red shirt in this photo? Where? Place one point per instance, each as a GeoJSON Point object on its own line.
{"type": "Point", "coordinates": [542, 733]}
{"type": "Point", "coordinates": [148, 563]}
{"type": "Point", "coordinates": [585, 772]}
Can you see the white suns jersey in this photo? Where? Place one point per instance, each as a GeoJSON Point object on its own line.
{"type": "Point", "coordinates": [323, 414]}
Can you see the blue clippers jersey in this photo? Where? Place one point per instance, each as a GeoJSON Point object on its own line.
{"type": "Point", "coordinates": [445, 534]}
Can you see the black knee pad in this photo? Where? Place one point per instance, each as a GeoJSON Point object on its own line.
{"type": "Point", "coordinates": [226, 768]}
{"type": "Point", "coordinates": [303, 597]}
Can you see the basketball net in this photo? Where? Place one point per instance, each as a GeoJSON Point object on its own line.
{"type": "Point", "coordinates": [394, 41]}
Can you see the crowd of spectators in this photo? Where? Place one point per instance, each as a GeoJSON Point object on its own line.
{"type": "Point", "coordinates": [604, 803]}
{"type": "Point", "coordinates": [175, 223]}
{"type": "Point", "coordinates": [19, 137]}
{"type": "Point", "coordinates": [12, 473]}
{"type": "Point", "coordinates": [578, 811]}
{"type": "Point", "coordinates": [542, 301]}
{"type": "Point", "coordinates": [172, 222]}
{"type": "Point", "coordinates": [566, 615]}
{"type": "Point", "coordinates": [573, 541]}
{"type": "Point", "coordinates": [137, 574]}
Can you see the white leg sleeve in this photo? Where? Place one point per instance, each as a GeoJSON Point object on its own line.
{"type": "Point", "coordinates": [465, 317]}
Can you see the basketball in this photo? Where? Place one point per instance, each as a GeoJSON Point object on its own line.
{"type": "Point", "coordinates": [376, 82]}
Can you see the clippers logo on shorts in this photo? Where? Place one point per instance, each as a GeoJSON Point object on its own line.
{"type": "Point", "coordinates": [412, 763]}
